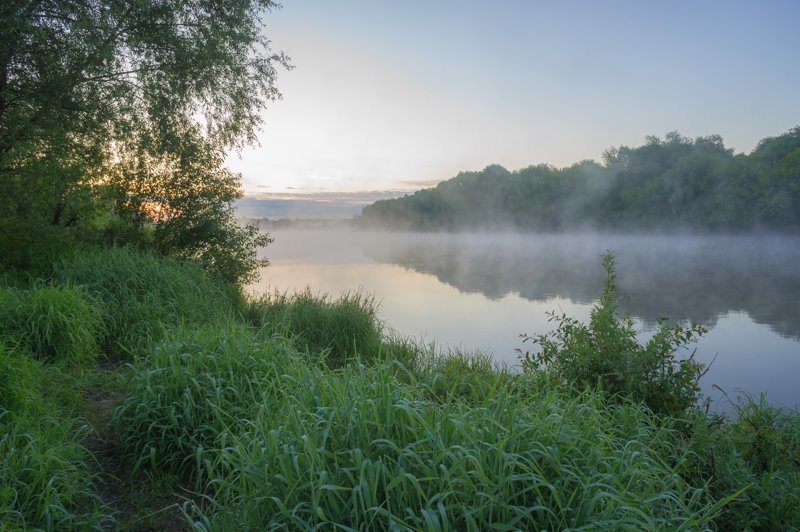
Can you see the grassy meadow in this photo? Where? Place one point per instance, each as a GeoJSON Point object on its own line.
{"type": "Point", "coordinates": [138, 393]}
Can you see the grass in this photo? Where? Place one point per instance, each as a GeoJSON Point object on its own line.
{"type": "Point", "coordinates": [197, 386]}
{"type": "Point", "coordinates": [759, 450]}
{"type": "Point", "coordinates": [44, 466]}
{"type": "Point", "coordinates": [53, 323]}
{"type": "Point", "coordinates": [144, 296]}
{"type": "Point", "coordinates": [359, 449]}
{"type": "Point", "coordinates": [299, 411]}
{"type": "Point", "coordinates": [338, 329]}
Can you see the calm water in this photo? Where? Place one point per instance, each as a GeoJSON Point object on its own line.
{"type": "Point", "coordinates": [480, 291]}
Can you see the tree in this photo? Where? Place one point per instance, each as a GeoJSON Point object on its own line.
{"type": "Point", "coordinates": [134, 103]}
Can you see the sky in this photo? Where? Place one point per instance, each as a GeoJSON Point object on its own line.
{"type": "Point", "coordinates": [397, 96]}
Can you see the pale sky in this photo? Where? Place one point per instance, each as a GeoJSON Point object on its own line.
{"type": "Point", "coordinates": [390, 95]}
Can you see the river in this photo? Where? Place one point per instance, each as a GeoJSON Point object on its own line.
{"type": "Point", "coordinates": [479, 291]}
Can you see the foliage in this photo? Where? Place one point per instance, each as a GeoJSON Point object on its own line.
{"type": "Point", "coordinates": [339, 329]}
{"type": "Point", "coordinates": [189, 213]}
{"type": "Point", "coordinates": [254, 424]}
{"type": "Point", "coordinates": [193, 390]}
{"type": "Point", "coordinates": [53, 323]}
{"type": "Point", "coordinates": [129, 109]}
{"type": "Point", "coordinates": [672, 184]}
{"type": "Point", "coordinates": [757, 449]}
{"type": "Point", "coordinates": [144, 295]}
{"type": "Point", "coordinates": [459, 376]}
{"type": "Point", "coordinates": [359, 449]}
{"type": "Point", "coordinates": [46, 480]}
{"type": "Point", "coordinates": [209, 235]}
{"type": "Point", "coordinates": [607, 354]}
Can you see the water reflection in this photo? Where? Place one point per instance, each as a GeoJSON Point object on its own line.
{"type": "Point", "coordinates": [479, 292]}
{"type": "Point", "coordinates": [685, 278]}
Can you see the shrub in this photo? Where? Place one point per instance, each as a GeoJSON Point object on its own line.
{"type": "Point", "coordinates": [209, 234]}
{"type": "Point", "coordinates": [54, 323]}
{"type": "Point", "coordinates": [340, 329]}
{"type": "Point", "coordinates": [145, 295]}
{"type": "Point", "coordinates": [607, 354]}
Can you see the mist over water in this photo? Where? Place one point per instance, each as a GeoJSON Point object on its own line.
{"type": "Point", "coordinates": [684, 278]}
{"type": "Point", "coordinates": [481, 290]}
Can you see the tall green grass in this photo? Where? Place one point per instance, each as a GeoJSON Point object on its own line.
{"type": "Point", "coordinates": [46, 481]}
{"type": "Point", "coordinates": [20, 383]}
{"type": "Point", "coordinates": [192, 392]}
{"type": "Point", "coordinates": [361, 450]}
{"type": "Point", "coordinates": [275, 440]}
{"type": "Point", "coordinates": [54, 323]}
{"type": "Point", "coordinates": [337, 329]}
{"type": "Point", "coordinates": [145, 296]}
{"type": "Point", "coordinates": [758, 450]}
{"type": "Point", "coordinates": [453, 375]}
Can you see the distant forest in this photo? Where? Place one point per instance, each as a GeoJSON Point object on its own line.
{"type": "Point", "coordinates": [672, 183]}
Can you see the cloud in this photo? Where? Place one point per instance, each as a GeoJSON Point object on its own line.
{"type": "Point", "coordinates": [329, 198]}
{"type": "Point", "coordinates": [417, 184]}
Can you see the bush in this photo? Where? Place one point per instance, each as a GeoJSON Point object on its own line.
{"type": "Point", "coordinates": [339, 329]}
{"type": "Point", "coordinates": [607, 354]}
{"type": "Point", "coordinates": [54, 323]}
{"type": "Point", "coordinates": [145, 295]}
{"type": "Point", "coordinates": [212, 237]}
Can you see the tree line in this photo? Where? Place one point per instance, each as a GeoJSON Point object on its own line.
{"type": "Point", "coordinates": [672, 183]}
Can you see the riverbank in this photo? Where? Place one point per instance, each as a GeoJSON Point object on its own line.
{"type": "Point", "coordinates": [123, 371]}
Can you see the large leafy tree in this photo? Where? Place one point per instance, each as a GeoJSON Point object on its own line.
{"type": "Point", "coordinates": [128, 107]}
